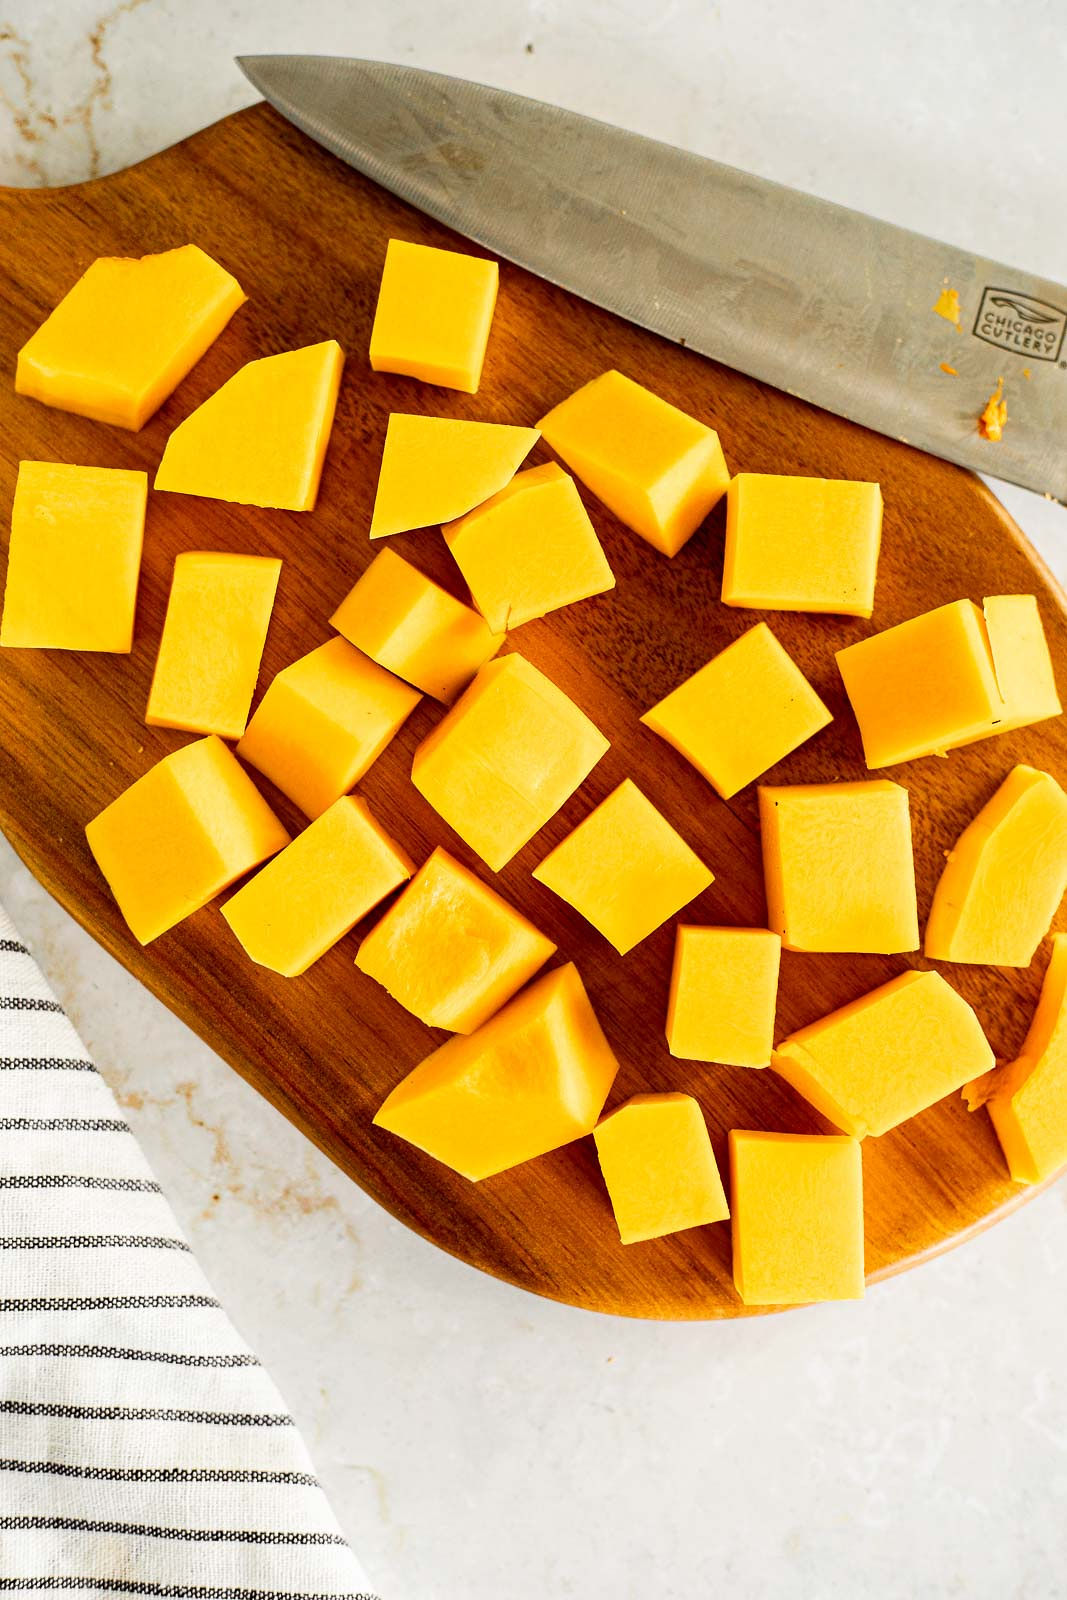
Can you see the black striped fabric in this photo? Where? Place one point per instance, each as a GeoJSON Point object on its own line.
{"type": "Point", "coordinates": [144, 1451]}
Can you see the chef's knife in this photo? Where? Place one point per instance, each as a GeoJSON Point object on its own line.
{"type": "Point", "coordinates": [823, 302]}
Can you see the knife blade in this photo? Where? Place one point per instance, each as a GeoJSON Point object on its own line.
{"type": "Point", "coordinates": [826, 303]}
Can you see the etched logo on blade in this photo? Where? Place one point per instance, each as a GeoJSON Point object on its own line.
{"type": "Point", "coordinates": [1022, 324]}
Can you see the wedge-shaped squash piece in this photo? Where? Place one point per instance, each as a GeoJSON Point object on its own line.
{"type": "Point", "coordinates": [213, 637]}
{"type": "Point", "coordinates": [434, 312]}
{"type": "Point", "coordinates": [659, 1167]}
{"type": "Point", "coordinates": [74, 557]}
{"type": "Point", "coordinates": [319, 887]}
{"type": "Point", "coordinates": [530, 549]}
{"type": "Point", "coordinates": [743, 712]}
{"type": "Point", "coordinates": [435, 469]}
{"type": "Point", "coordinates": [625, 869]}
{"type": "Point", "coordinates": [451, 949]}
{"type": "Point", "coordinates": [886, 1056]}
{"type": "Point", "coordinates": [659, 469]}
{"type": "Point", "coordinates": [1022, 663]}
{"type": "Point", "coordinates": [1005, 877]}
{"type": "Point", "coordinates": [261, 439]}
{"type": "Point", "coordinates": [802, 544]}
{"type": "Point", "coordinates": [124, 337]}
{"type": "Point", "coordinates": [838, 866]}
{"type": "Point", "coordinates": [533, 1078]}
{"type": "Point", "coordinates": [797, 1204]}
{"type": "Point", "coordinates": [724, 989]}
{"type": "Point", "coordinates": [181, 834]}
{"type": "Point", "coordinates": [511, 751]}
{"type": "Point", "coordinates": [323, 721]}
{"type": "Point", "coordinates": [949, 677]}
{"type": "Point", "coordinates": [1028, 1099]}
{"type": "Point", "coordinates": [409, 624]}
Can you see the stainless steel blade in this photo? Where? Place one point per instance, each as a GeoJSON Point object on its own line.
{"type": "Point", "coordinates": [821, 301]}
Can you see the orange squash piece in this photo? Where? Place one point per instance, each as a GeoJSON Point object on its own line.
{"type": "Point", "coordinates": [657, 468]}
{"type": "Point", "coordinates": [745, 710]}
{"type": "Point", "coordinates": [533, 1078]}
{"type": "Point", "coordinates": [624, 868]}
{"type": "Point", "coordinates": [838, 866]}
{"type": "Point", "coordinates": [74, 558]}
{"type": "Point", "coordinates": [434, 312]}
{"type": "Point", "coordinates": [530, 549]}
{"type": "Point", "coordinates": [317, 889]}
{"type": "Point", "coordinates": [724, 989]}
{"type": "Point", "coordinates": [413, 627]}
{"type": "Point", "coordinates": [886, 1056]}
{"type": "Point", "coordinates": [261, 439]}
{"type": "Point", "coordinates": [213, 637]}
{"type": "Point", "coordinates": [1028, 1103]}
{"type": "Point", "coordinates": [797, 1205]}
{"type": "Point", "coordinates": [435, 469]}
{"type": "Point", "coordinates": [450, 949]}
{"type": "Point", "coordinates": [180, 835]}
{"type": "Point", "coordinates": [1005, 876]}
{"type": "Point", "coordinates": [323, 721]}
{"type": "Point", "coordinates": [802, 544]}
{"type": "Point", "coordinates": [511, 751]}
{"type": "Point", "coordinates": [659, 1167]}
{"type": "Point", "coordinates": [1021, 662]}
{"type": "Point", "coordinates": [122, 339]}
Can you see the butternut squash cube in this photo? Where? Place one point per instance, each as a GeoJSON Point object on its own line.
{"type": "Point", "coordinates": [317, 889]}
{"type": "Point", "coordinates": [743, 712]}
{"type": "Point", "coordinates": [74, 557]}
{"type": "Point", "coordinates": [838, 867]}
{"type": "Point", "coordinates": [659, 470]}
{"type": "Point", "coordinates": [511, 751]}
{"type": "Point", "coordinates": [802, 544]}
{"type": "Point", "coordinates": [924, 685]}
{"type": "Point", "coordinates": [261, 439]}
{"type": "Point", "coordinates": [180, 835]}
{"type": "Point", "coordinates": [409, 624]}
{"type": "Point", "coordinates": [450, 949]}
{"type": "Point", "coordinates": [724, 989]}
{"type": "Point", "coordinates": [1005, 877]}
{"type": "Point", "coordinates": [213, 637]}
{"type": "Point", "coordinates": [1021, 661]}
{"type": "Point", "coordinates": [886, 1056]}
{"type": "Point", "coordinates": [1028, 1104]}
{"type": "Point", "coordinates": [659, 1167]}
{"type": "Point", "coordinates": [123, 338]}
{"type": "Point", "coordinates": [531, 1079]}
{"type": "Point", "coordinates": [435, 469]}
{"type": "Point", "coordinates": [435, 309]}
{"type": "Point", "coordinates": [529, 549]}
{"type": "Point", "coordinates": [624, 868]}
{"type": "Point", "coordinates": [797, 1217]}
{"type": "Point", "coordinates": [323, 721]}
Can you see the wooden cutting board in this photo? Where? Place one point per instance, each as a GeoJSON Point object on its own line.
{"type": "Point", "coordinates": [306, 237]}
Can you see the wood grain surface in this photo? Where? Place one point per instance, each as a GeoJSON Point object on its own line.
{"type": "Point", "coordinates": [306, 238]}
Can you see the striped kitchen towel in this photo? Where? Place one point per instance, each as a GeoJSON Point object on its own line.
{"type": "Point", "coordinates": [143, 1449]}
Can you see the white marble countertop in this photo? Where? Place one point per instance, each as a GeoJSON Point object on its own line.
{"type": "Point", "coordinates": [480, 1444]}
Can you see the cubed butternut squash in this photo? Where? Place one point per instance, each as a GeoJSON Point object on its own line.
{"type": "Point", "coordinates": [180, 835]}
{"type": "Point", "coordinates": [531, 1079]}
{"type": "Point", "coordinates": [657, 468]}
{"type": "Point", "coordinates": [435, 469]}
{"type": "Point", "coordinates": [659, 1167]}
{"type": "Point", "coordinates": [1028, 1102]}
{"type": "Point", "coordinates": [1004, 877]}
{"type": "Point", "coordinates": [802, 544]}
{"type": "Point", "coordinates": [261, 439]}
{"type": "Point", "coordinates": [450, 949]}
{"type": "Point", "coordinates": [74, 557]}
{"type": "Point", "coordinates": [122, 339]}
{"type": "Point", "coordinates": [886, 1056]}
{"type": "Point", "coordinates": [724, 989]}
{"type": "Point", "coordinates": [434, 312]}
{"type": "Point", "coordinates": [797, 1207]}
